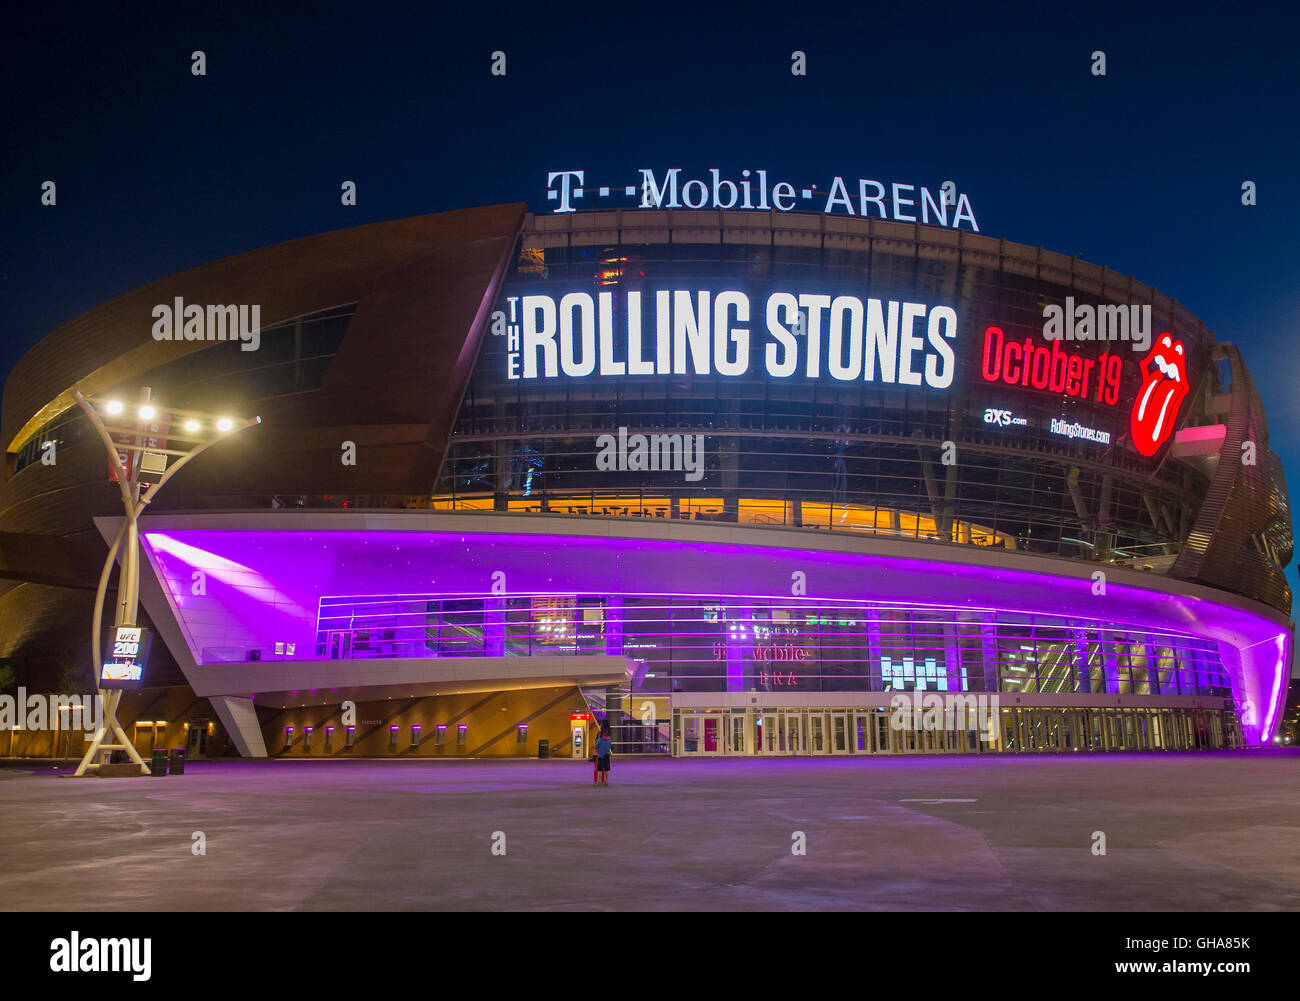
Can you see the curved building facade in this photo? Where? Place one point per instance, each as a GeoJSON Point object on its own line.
{"type": "Point", "coordinates": [745, 482]}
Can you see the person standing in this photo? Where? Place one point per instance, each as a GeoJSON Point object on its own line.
{"type": "Point", "coordinates": [603, 744]}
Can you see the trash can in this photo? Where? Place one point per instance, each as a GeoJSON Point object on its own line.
{"type": "Point", "coordinates": [178, 761]}
{"type": "Point", "coordinates": [543, 748]}
{"type": "Point", "coordinates": [158, 766]}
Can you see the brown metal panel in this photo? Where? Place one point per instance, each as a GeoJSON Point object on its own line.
{"type": "Point", "coordinates": [1244, 505]}
{"type": "Point", "coordinates": [113, 342]}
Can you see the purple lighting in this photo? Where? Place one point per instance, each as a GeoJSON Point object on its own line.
{"type": "Point", "coordinates": [269, 587]}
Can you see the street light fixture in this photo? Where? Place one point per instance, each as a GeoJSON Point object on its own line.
{"type": "Point", "coordinates": [135, 447]}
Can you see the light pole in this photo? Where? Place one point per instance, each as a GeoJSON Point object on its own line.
{"type": "Point", "coordinates": [138, 439]}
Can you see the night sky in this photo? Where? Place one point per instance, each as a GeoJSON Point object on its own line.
{"type": "Point", "coordinates": [1140, 170]}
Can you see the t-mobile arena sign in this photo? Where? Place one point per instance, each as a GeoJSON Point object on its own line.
{"type": "Point", "coordinates": [699, 332]}
{"type": "Point", "coordinates": [751, 190]}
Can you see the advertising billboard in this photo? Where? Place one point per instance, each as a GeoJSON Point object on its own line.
{"type": "Point", "coordinates": [127, 656]}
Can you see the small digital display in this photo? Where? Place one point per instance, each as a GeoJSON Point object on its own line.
{"type": "Point", "coordinates": [127, 655]}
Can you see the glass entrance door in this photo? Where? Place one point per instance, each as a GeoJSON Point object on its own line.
{"type": "Point", "coordinates": [794, 743]}
{"type": "Point", "coordinates": [736, 743]}
{"type": "Point", "coordinates": [817, 733]}
{"type": "Point", "coordinates": [712, 735]}
{"type": "Point", "coordinates": [839, 733]}
{"type": "Point", "coordinates": [884, 733]}
{"type": "Point", "coordinates": [1052, 731]}
{"type": "Point", "coordinates": [769, 738]}
{"type": "Point", "coordinates": [862, 731]}
{"type": "Point", "coordinates": [690, 734]}
{"type": "Point", "coordinates": [1096, 741]}
{"type": "Point", "coordinates": [1114, 736]}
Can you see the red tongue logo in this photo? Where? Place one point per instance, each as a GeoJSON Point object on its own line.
{"type": "Point", "coordinates": [1164, 384]}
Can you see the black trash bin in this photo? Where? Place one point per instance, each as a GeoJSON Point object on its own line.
{"type": "Point", "coordinates": [178, 761]}
{"type": "Point", "coordinates": [543, 748]}
{"type": "Point", "coordinates": [158, 766]}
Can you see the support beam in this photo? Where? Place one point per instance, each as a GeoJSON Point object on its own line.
{"type": "Point", "coordinates": [239, 718]}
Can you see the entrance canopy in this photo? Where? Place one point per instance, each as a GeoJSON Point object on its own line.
{"type": "Point", "coordinates": [287, 601]}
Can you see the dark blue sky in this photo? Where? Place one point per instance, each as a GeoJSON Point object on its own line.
{"type": "Point", "coordinates": [1141, 170]}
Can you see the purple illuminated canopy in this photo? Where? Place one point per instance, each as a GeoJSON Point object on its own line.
{"type": "Point", "coordinates": [262, 586]}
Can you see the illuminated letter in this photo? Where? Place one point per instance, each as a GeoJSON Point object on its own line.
{"type": "Point", "coordinates": [608, 366]}
{"type": "Point", "coordinates": [636, 365]}
{"type": "Point", "coordinates": [583, 302]}
{"type": "Point", "coordinates": [968, 213]}
{"type": "Point", "coordinates": [898, 216]}
{"type": "Point", "coordinates": [927, 203]}
{"type": "Point", "coordinates": [908, 343]}
{"type": "Point", "coordinates": [690, 327]}
{"type": "Point", "coordinates": [543, 337]}
{"type": "Point", "coordinates": [935, 376]}
{"type": "Point", "coordinates": [652, 195]}
{"type": "Point", "coordinates": [842, 198]}
{"type": "Point", "coordinates": [814, 304]}
{"type": "Point", "coordinates": [686, 194]}
{"type": "Point", "coordinates": [882, 342]}
{"type": "Point", "coordinates": [722, 332]}
{"type": "Point", "coordinates": [992, 371]}
{"type": "Point", "coordinates": [878, 198]}
{"type": "Point", "coordinates": [718, 184]}
{"type": "Point", "coordinates": [788, 347]}
{"type": "Point", "coordinates": [663, 331]}
{"type": "Point", "coordinates": [1007, 376]}
{"type": "Point", "coordinates": [851, 305]}
{"type": "Point", "coordinates": [563, 193]}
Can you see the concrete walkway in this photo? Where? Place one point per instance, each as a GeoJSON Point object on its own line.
{"type": "Point", "coordinates": [1207, 831]}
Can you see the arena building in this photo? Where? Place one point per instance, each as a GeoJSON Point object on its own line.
{"type": "Point", "coordinates": [735, 480]}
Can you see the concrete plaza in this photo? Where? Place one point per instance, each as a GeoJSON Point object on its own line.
{"type": "Point", "coordinates": [1184, 832]}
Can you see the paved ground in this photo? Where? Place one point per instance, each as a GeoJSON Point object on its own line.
{"type": "Point", "coordinates": [1183, 832]}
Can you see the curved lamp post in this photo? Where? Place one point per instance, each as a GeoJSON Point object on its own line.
{"type": "Point", "coordinates": [135, 438]}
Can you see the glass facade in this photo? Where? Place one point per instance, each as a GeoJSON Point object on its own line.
{"type": "Point", "coordinates": [696, 644]}
{"type": "Point", "coordinates": [822, 453]}
{"type": "Point", "coordinates": [870, 730]}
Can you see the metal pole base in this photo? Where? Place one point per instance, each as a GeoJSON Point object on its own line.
{"type": "Point", "coordinates": [110, 725]}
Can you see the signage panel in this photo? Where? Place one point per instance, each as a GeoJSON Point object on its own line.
{"type": "Point", "coordinates": [127, 656]}
{"type": "Point", "coordinates": [692, 331]}
{"type": "Point", "coordinates": [845, 335]}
